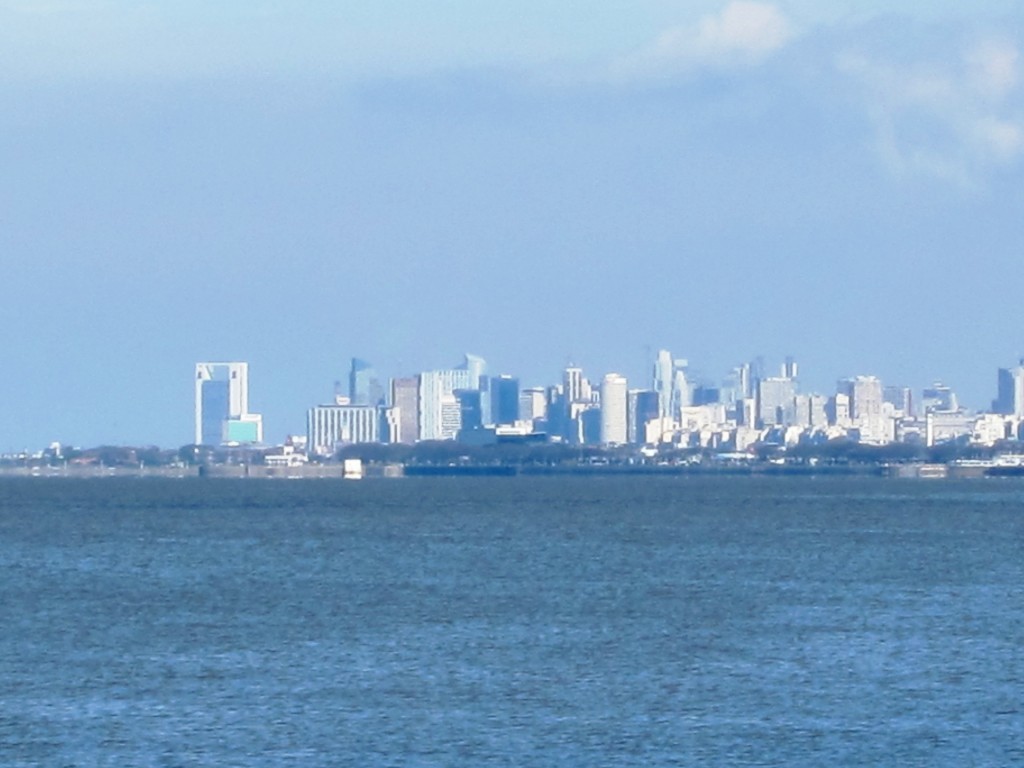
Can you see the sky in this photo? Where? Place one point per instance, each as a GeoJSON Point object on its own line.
{"type": "Point", "coordinates": [296, 184]}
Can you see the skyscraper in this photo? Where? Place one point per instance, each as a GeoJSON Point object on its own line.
{"type": "Point", "coordinates": [614, 409]}
{"type": "Point", "coordinates": [644, 409]}
{"type": "Point", "coordinates": [663, 383]}
{"type": "Point", "coordinates": [572, 384]}
{"type": "Point", "coordinates": [775, 404]}
{"type": "Point", "coordinates": [504, 400]}
{"type": "Point", "coordinates": [437, 392]}
{"type": "Point", "coordinates": [1010, 394]}
{"type": "Point", "coordinates": [471, 412]}
{"type": "Point", "coordinates": [406, 399]}
{"type": "Point", "coordinates": [363, 385]}
{"type": "Point", "coordinates": [222, 406]}
{"type": "Point", "coordinates": [477, 368]}
{"type": "Point", "coordinates": [865, 393]}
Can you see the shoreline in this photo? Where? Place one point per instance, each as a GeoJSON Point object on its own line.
{"type": "Point", "coordinates": [397, 471]}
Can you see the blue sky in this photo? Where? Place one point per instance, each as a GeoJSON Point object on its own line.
{"type": "Point", "coordinates": [296, 184]}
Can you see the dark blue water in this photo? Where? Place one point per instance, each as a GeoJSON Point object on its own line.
{"type": "Point", "coordinates": [513, 622]}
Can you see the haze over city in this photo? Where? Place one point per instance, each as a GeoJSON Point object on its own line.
{"type": "Point", "coordinates": [297, 185]}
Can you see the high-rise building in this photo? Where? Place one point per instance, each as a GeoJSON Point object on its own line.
{"type": "Point", "coordinates": [837, 409]}
{"type": "Point", "coordinates": [504, 396]}
{"type": "Point", "coordinates": [451, 417]}
{"type": "Point", "coordinates": [706, 395]}
{"type": "Point", "coordinates": [438, 406]}
{"type": "Point", "coordinates": [532, 404]}
{"type": "Point", "coordinates": [471, 414]}
{"type": "Point", "coordinates": [573, 384]}
{"type": "Point", "coordinates": [1010, 394]}
{"type": "Point", "coordinates": [476, 366]}
{"type": "Point", "coordinates": [587, 429]}
{"type": "Point", "coordinates": [865, 393]}
{"type": "Point", "coordinates": [682, 389]}
{"type": "Point", "coordinates": [644, 408]}
{"type": "Point", "coordinates": [789, 369]}
{"type": "Point", "coordinates": [901, 399]}
{"type": "Point", "coordinates": [810, 411]}
{"type": "Point", "coordinates": [614, 410]}
{"type": "Point", "coordinates": [775, 403]}
{"type": "Point", "coordinates": [363, 386]}
{"type": "Point", "coordinates": [222, 406]}
{"type": "Point", "coordinates": [405, 398]}
{"type": "Point", "coordinates": [662, 383]}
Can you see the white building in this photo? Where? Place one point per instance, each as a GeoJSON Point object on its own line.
{"type": "Point", "coordinates": [436, 391]}
{"type": "Point", "coordinates": [810, 411]}
{"type": "Point", "coordinates": [532, 404]}
{"type": "Point", "coordinates": [663, 383]}
{"type": "Point", "coordinates": [990, 428]}
{"type": "Point", "coordinates": [330, 426]}
{"type": "Point", "coordinates": [865, 393]}
{"type": "Point", "coordinates": [775, 405]}
{"type": "Point", "coordinates": [614, 410]}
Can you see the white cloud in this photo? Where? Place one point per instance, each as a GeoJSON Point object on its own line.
{"type": "Point", "coordinates": [952, 118]}
{"type": "Point", "coordinates": [993, 67]}
{"type": "Point", "coordinates": [743, 32]}
{"type": "Point", "coordinates": [743, 27]}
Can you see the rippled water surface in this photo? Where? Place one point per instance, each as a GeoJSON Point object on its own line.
{"type": "Point", "coordinates": [515, 622]}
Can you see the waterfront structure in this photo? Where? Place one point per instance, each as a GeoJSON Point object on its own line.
{"type": "Point", "coordinates": [614, 410]}
{"type": "Point", "coordinates": [222, 406]}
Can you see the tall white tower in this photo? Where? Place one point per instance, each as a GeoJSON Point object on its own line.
{"type": "Point", "coordinates": [664, 382]}
{"type": "Point", "coordinates": [614, 410]}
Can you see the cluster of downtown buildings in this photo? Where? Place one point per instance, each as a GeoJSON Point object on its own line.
{"type": "Point", "coordinates": [751, 407]}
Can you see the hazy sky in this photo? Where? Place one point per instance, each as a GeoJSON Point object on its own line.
{"type": "Point", "coordinates": [294, 184]}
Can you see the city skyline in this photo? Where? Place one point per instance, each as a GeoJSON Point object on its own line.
{"type": "Point", "coordinates": [785, 375]}
{"type": "Point", "coordinates": [294, 186]}
{"type": "Point", "coordinates": [752, 406]}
